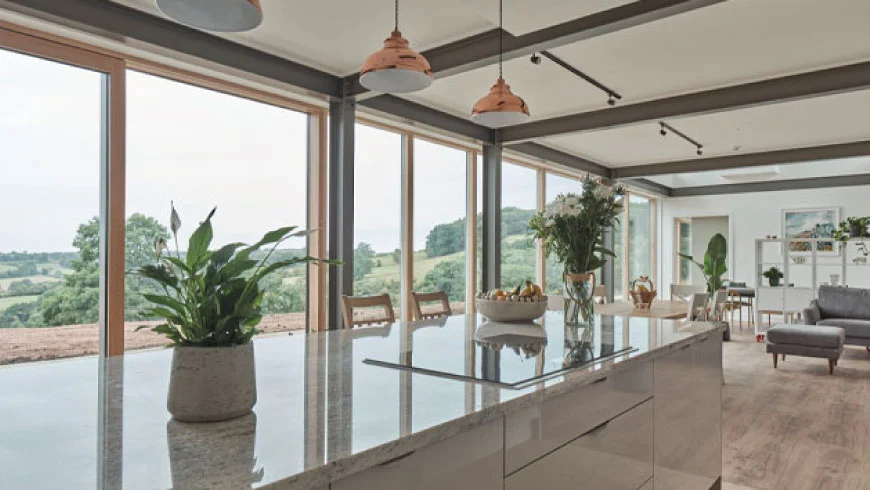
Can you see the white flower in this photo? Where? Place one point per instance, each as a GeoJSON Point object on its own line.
{"type": "Point", "coordinates": [603, 191]}
{"type": "Point", "coordinates": [572, 201]}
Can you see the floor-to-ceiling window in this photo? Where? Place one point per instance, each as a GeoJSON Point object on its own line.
{"type": "Point", "coordinates": [202, 149]}
{"type": "Point", "coordinates": [556, 185]}
{"type": "Point", "coordinates": [620, 277]}
{"type": "Point", "coordinates": [684, 246]}
{"type": "Point", "coordinates": [640, 239]}
{"type": "Point", "coordinates": [519, 196]}
{"type": "Point", "coordinates": [377, 205]}
{"type": "Point", "coordinates": [440, 220]}
{"type": "Point", "coordinates": [50, 138]}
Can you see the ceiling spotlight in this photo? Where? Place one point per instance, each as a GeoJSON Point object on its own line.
{"type": "Point", "coordinates": [663, 132]}
{"type": "Point", "coordinates": [535, 59]}
{"type": "Point", "coordinates": [700, 151]}
{"type": "Point", "coordinates": [610, 100]}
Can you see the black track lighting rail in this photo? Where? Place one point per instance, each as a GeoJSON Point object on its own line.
{"type": "Point", "coordinates": [612, 95]}
{"type": "Point", "coordinates": [665, 127]}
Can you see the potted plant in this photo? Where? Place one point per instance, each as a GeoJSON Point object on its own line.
{"type": "Point", "coordinates": [773, 276]}
{"type": "Point", "coordinates": [714, 266]}
{"type": "Point", "coordinates": [572, 227]}
{"type": "Point", "coordinates": [854, 227]}
{"type": "Point", "coordinates": [210, 309]}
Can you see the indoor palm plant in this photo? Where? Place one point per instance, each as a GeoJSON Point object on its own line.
{"type": "Point", "coordinates": [210, 309]}
{"type": "Point", "coordinates": [714, 266]}
{"type": "Point", "coordinates": [573, 227]}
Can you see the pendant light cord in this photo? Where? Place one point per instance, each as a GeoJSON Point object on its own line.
{"type": "Point", "coordinates": [396, 28]}
{"type": "Point", "coordinates": [500, 35]}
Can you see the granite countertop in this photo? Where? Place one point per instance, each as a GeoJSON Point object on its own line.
{"type": "Point", "coordinates": [321, 414]}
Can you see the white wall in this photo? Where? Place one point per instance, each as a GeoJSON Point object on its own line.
{"type": "Point", "coordinates": [754, 215]}
{"type": "Point", "coordinates": [703, 230]}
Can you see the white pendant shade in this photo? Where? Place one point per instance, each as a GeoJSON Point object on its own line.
{"type": "Point", "coordinates": [395, 81]}
{"type": "Point", "coordinates": [500, 119]}
{"type": "Point", "coordinates": [500, 107]}
{"type": "Point", "coordinates": [396, 68]}
{"type": "Point", "coordinates": [215, 15]}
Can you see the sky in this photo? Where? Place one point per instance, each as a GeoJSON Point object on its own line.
{"type": "Point", "coordinates": [200, 149]}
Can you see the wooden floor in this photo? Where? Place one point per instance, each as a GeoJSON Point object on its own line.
{"type": "Point", "coordinates": [795, 427]}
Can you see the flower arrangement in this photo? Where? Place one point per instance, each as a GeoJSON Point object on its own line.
{"type": "Point", "coordinates": [572, 226]}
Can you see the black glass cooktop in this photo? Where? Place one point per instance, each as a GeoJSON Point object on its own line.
{"type": "Point", "coordinates": [515, 355]}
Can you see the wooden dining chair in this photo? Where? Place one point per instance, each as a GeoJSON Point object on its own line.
{"type": "Point", "coordinates": [684, 292]}
{"type": "Point", "coordinates": [698, 307]}
{"type": "Point", "coordinates": [599, 294]}
{"type": "Point", "coordinates": [350, 303]}
{"type": "Point", "coordinates": [437, 296]}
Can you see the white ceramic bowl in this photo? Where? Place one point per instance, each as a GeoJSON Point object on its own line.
{"type": "Point", "coordinates": [511, 311]}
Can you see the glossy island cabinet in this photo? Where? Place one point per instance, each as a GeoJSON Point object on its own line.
{"type": "Point", "coordinates": [643, 413]}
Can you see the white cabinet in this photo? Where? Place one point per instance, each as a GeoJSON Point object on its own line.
{"type": "Point", "coordinates": [616, 455]}
{"type": "Point", "coordinates": [534, 432]}
{"type": "Point", "coordinates": [472, 460]}
{"type": "Point", "coordinates": [648, 486]}
{"type": "Point", "coordinates": [688, 414]}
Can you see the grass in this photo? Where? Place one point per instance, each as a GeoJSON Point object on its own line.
{"type": "Point", "coordinates": [422, 265]}
{"type": "Point", "coordinates": [6, 281]}
{"type": "Point", "coordinates": [14, 300]}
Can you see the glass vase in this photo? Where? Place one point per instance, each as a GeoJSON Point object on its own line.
{"type": "Point", "coordinates": [579, 304]}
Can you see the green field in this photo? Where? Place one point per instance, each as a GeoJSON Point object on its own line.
{"type": "Point", "coordinates": [422, 265]}
{"type": "Point", "coordinates": [7, 302]}
{"type": "Point", "coordinates": [6, 281]}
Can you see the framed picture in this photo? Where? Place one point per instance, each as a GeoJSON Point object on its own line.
{"type": "Point", "coordinates": [811, 223]}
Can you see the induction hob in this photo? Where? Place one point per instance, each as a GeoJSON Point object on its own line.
{"type": "Point", "coordinates": [515, 355]}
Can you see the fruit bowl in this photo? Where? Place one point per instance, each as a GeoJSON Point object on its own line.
{"type": "Point", "coordinates": [512, 311]}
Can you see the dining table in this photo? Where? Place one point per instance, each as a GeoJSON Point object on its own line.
{"type": "Point", "coordinates": [670, 309]}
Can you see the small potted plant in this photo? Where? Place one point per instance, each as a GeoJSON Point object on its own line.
{"type": "Point", "coordinates": [210, 309]}
{"type": "Point", "coordinates": [773, 276]}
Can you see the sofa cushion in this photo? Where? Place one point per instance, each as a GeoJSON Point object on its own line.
{"type": "Point", "coordinates": [807, 335]}
{"type": "Point", "coordinates": [840, 302]}
{"type": "Point", "coordinates": [852, 326]}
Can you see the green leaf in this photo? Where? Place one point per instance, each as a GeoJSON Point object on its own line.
{"type": "Point", "coordinates": [199, 241]}
{"type": "Point", "coordinates": [174, 219]}
{"type": "Point", "coordinates": [167, 301]}
{"type": "Point", "coordinates": [222, 255]}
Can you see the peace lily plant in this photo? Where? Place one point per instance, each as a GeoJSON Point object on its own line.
{"type": "Point", "coordinates": [210, 308]}
{"type": "Point", "coordinates": [572, 227]}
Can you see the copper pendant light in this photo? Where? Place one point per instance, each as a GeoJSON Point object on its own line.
{"type": "Point", "coordinates": [396, 68]}
{"type": "Point", "coordinates": [500, 107]}
{"type": "Point", "coordinates": [215, 15]}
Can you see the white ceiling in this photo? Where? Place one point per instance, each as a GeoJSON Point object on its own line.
{"type": "Point", "coordinates": [733, 42]}
{"type": "Point", "coordinates": [808, 122]}
{"type": "Point", "coordinates": [804, 170]}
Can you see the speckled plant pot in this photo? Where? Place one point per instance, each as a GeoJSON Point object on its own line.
{"type": "Point", "coordinates": [209, 384]}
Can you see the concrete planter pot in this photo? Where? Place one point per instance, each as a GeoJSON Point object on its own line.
{"type": "Point", "coordinates": [209, 384]}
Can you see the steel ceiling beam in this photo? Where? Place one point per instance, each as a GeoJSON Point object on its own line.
{"type": "Point", "coordinates": [778, 157]}
{"type": "Point", "coordinates": [482, 50]}
{"type": "Point", "coordinates": [770, 186]}
{"type": "Point", "coordinates": [431, 117]}
{"type": "Point", "coordinates": [829, 81]}
{"type": "Point", "coordinates": [557, 156]}
{"type": "Point", "coordinates": [647, 185]}
{"type": "Point", "coordinates": [119, 22]}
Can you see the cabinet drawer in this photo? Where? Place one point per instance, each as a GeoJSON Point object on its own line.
{"type": "Point", "coordinates": [617, 455]}
{"type": "Point", "coordinates": [541, 428]}
{"type": "Point", "coordinates": [473, 459]}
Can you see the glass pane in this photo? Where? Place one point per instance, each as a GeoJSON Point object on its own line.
{"type": "Point", "coordinates": [619, 259]}
{"type": "Point", "coordinates": [685, 237]}
{"type": "Point", "coordinates": [556, 185]}
{"type": "Point", "coordinates": [51, 136]}
{"type": "Point", "coordinates": [203, 149]}
{"type": "Point", "coordinates": [519, 204]}
{"type": "Point", "coordinates": [640, 238]}
{"type": "Point", "coordinates": [439, 221]}
{"type": "Point", "coordinates": [377, 212]}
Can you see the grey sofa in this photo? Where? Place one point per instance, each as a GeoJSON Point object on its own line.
{"type": "Point", "coordinates": [847, 308]}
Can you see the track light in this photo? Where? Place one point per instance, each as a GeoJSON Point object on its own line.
{"type": "Point", "coordinates": [612, 95]}
{"type": "Point", "coordinates": [610, 100]}
{"type": "Point", "coordinates": [700, 151]}
{"type": "Point", "coordinates": [665, 127]}
{"type": "Point", "coordinates": [663, 132]}
{"type": "Point", "coordinates": [535, 59]}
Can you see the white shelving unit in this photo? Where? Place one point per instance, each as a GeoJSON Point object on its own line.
{"type": "Point", "coordinates": [803, 273]}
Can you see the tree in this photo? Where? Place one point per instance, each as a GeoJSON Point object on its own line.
{"type": "Point", "coordinates": [449, 276]}
{"type": "Point", "coordinates": [363, 260]}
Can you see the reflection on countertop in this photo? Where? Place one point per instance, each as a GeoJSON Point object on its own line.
{"type": "Point", "coordinates": [322, 413]}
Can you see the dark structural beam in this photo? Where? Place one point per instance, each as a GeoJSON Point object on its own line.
{"type": "Point", "coordinates": [778, 157]}
{"type": "Point", "coordinates": [118, 21]}
{"type": "Point", "coordinates": [811, 84]}
{"type": "Point", "coordinates": [647, 185]}
{"type": "Point", "coordinates": [491, 227]}
{"type": "Point", "coordinates": [556, 156]}
{"type": "Point", "coordinates": [778, 185]}
{"type": "Point", "coordinates": [482, 49]}
{"type": "Point", "coordinates": [419, 113]}
{"type": "Point", "coordinates": [342, 117]}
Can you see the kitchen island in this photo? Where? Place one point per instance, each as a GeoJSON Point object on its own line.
{"type": "Point", "coordinates": [646, 414]}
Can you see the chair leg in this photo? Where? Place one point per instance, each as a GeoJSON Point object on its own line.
{"type": "Point", "coordinates": [831, 364]}
{"type": "Point", "coordinates": [783, 357]}
{"type": "Point", "coordinates": [774, 361]}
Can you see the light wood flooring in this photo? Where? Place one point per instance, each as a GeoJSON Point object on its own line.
{"type": "Point", "coordinates": [795, 427]}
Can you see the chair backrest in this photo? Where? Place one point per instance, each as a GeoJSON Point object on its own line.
{"type": "Point", "coordinates": [698, 307]}
{"type": "Point", "coordinates": [684, 292]}
{"type": "Point", "coordinates": [350, 303]}
{"type": "Point", "coordinates": [437, 296]}
{"type": "Point", "coordinates": [599, 294]}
